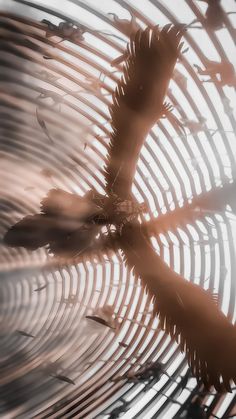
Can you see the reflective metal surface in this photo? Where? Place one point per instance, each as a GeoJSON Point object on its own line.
{"type": "Point", "coordinates": [45, 336]}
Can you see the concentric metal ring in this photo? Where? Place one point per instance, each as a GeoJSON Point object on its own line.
{"type": "Point", "coordinates": [171, 170]}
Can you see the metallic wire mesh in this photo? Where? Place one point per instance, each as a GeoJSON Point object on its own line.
{"type": "Point", "coordinates": [61, 81]}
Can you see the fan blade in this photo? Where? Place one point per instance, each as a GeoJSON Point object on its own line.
{"type": "Point", "coordinates": [199, 323]}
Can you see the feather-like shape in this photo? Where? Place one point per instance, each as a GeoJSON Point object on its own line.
{"type": "Point", "coordinates": [42, 287]}
{"type": "Point", "coordinates": [43, 126]}
{"type": "Point", "coordinates": [61, 225]}
{"type": "Point", "coordinates": [207, 203]}
{"type": "Point", "coordinates": [30, 232]}
{"type": "Point", "coordinates": [100, 320]}
{"type": "Point", "coordinates": [209, 336]}
{"type": "Point", "coordinates": [64, 378]}
{"type": "Point", "coordinates": [138, 101]}
{"type": "Point", "coordinates": [72, 244]}
{"type": "Point", "coordinates": [59, 203]}
{"type": "Point", "coordinates": [28, 335]}
{"type": "Point", "coordinates": [65, 238]}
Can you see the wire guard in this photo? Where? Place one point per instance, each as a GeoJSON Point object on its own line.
{"type": "Point", "coordinates": [73, 335]}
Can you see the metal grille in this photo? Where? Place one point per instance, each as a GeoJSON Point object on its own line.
{"type": "Point", "coordinates": [63, 84]}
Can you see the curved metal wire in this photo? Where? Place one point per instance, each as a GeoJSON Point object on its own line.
{"type": "Point", "coordinates": [36, 296]}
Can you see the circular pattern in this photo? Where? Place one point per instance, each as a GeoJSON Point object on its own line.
{"type": "Point", "coordinates": [54, 133]}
